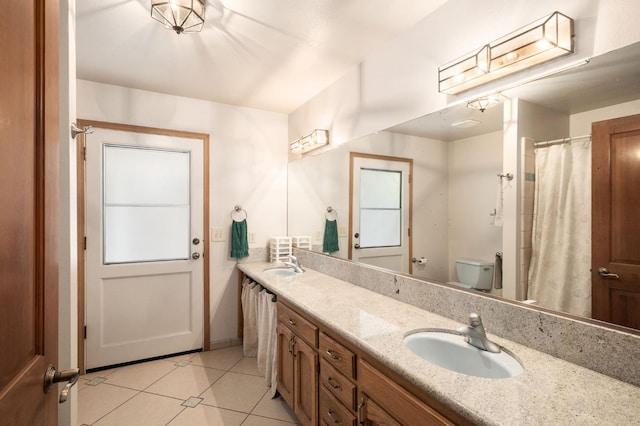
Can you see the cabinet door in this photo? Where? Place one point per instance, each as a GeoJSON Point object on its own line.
{"type": "Point", "coordinates": [371, 414]}
{"type": "Point", "coordinates": [305, 383]}
{"type": "Point", "coordinates": [285, 363]}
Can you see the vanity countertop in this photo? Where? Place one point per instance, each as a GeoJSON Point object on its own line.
{"type": "Point", "coordinates": [549, 391]}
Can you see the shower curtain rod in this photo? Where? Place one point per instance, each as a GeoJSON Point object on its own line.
{"type": "Point", "coordinates": [561, 140]}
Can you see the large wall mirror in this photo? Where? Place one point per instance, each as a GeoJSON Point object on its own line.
{"type": "Point", "coordinates": [458, 154]}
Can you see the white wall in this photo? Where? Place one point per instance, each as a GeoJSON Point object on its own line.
{"type": "Point", "coordinates": [247, 167]}
{"type": "Point", "coordinates": [399, 81]}
{"type": "Point", "coordinates": [580, 124]}
{"type": "Point", "coordinates": [474, 164]}
{"type": "Point", "coordinates": [67, 248]}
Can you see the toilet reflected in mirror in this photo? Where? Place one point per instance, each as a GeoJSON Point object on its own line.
{"type": "Point", "coordinates": [474, 274]}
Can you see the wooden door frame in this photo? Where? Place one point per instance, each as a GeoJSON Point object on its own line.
{"type": "Point", "coordinates": [352, 157]}
{"type": "Point", "coordinates": [80, 162]}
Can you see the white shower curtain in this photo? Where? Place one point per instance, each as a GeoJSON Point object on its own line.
{"type": "Point", "coordinates": [559, 274]}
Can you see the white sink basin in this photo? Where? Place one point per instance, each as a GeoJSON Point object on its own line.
{"type": "Point", "coordinates": [281, 272]}
{"type": "Point", "coordinates": [450, 351]}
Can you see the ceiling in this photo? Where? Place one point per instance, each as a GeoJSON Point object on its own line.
{"type": "Point", "coordinates": [605, 80]}
{"type": "Point", "coordinates": [266, 54]}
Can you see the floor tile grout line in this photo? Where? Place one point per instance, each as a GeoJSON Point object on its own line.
{"type": "Point", "coordinates": [176, 416]}
{"type": "Point", "coordinates": [162, 377]}
{"type": "Point", "coordinates": [118, 406]}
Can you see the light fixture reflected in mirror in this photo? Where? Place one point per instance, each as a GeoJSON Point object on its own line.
{"type": "Point", "coordinates": [483, 103]}
{"type": "Point", "coordinates": [545, 39]}
{"type": "Point", "coordinates": [181, 16]}
{"type": "Point", "coordinates": [313, 140]}
{"type": "Point", "coordinates": [465, 124]}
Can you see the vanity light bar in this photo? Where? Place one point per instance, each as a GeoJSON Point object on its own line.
{"type": "Point", "coordinates": [313, 140]}
{"type": "Point", "coordinates": [541, 41]}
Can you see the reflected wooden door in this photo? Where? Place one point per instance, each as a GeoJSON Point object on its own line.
{"type": "Point", "coordinates": [28, 216]}
{"type": "Point", "coordinates": [616, 221]}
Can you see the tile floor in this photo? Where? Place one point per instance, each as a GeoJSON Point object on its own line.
{"type": "Point", "coordinates": [220, 387]}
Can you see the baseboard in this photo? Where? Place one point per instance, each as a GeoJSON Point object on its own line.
{"type": "Point", "coordinates": [225, 343]}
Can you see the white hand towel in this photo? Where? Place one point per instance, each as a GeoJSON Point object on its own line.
{"type": "Point", "coordinates": [497, 219]}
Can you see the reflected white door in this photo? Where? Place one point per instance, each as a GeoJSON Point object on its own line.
{"type": "Point", "coordinates": [381, 211]}
{"type": "Point", "coordinates": [144, 229]}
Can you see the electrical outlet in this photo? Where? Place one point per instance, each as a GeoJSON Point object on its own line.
{"type": "Point", "coordinates": [217, 234]}
{"type": "Point", "coordinates": [252, 237]}
{"type": "Point", "coordinates": [342, 231]}
{"type": "Point", "coordinates": [318, 236]}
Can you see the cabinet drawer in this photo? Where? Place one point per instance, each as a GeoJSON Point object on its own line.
{"type": "Point", "coordinates": [299, 325]}
{"type": "Point", "coordinates": [338, 385]}
{"type": "Point", "coordinates": [394, 400]}
{"type": "Point", "coordinates": [338, 356]}
{"type": "Point", "coordinates": [332, 412]}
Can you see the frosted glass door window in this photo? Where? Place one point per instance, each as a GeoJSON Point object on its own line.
{"type": "Point", "coordinates": [380, 208]}
{"type": "Point", "coordinates": [146, 204]}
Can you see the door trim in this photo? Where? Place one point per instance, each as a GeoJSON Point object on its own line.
{"type": "Point", "coordinates": [204, 137]}
{"type": "Point", "coordinates": [352, 157]}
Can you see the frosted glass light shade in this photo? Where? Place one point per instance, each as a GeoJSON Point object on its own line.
{"type": "Point", "coordinates": [182, 16]}
{"type": "Point", "coordinates": [316, 139]}
{"type": "Point", "coordinates": [541, 41]}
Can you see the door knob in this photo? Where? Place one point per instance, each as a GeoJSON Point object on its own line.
{"type": "Point", "coordinates": [604, 273]}
{"type": "Point", "coordinates": [195, 256]}
{"type": "Point", "coordinates": [52, 376]}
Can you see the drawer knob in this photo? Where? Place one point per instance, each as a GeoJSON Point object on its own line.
{"type": "Point", "coordinates": [291, 322]}
{"type": "Point", "coordinates": [336, 421]}
{"type": "Point", "coordinates": [332, 383]}
{"type": "Point", "coordinates": [333, 355]}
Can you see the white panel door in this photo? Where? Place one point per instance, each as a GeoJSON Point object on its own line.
{"type": "Point", "coordinates": [144, 229]}
{"type": "Point", "coordinates": [380, 213]}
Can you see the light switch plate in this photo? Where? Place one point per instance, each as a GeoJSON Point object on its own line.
{"type": "Point", "coordinates": [342, 231]}
{"type": "Point", "coordinates": [318, 236]}
{"type": "Point", "coordinates": [252, 237]}
{"type": "Point", "coordinates": [217, 234]}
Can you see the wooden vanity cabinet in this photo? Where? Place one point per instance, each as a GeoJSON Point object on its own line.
{"type": "Point", "coordinates": [297, 342]}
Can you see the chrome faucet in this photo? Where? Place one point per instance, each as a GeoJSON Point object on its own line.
{"type": "Point", "coordinates": [294, 264]}
{"type": "Point", "coordinates": [475, 336]}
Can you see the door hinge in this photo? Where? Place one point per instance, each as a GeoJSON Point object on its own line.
{"type": "Point", "coordinates": [85, 243]}
{"type": "Point", "coordinates": [84, 153]}
{"type": "Point", "coordinates": [85, 331]}
{"type": "Point", "coordinates": [409, 232]}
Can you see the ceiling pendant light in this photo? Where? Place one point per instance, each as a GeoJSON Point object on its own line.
{"type": "Point", "coordinates": [481, 104]}
{"type": "Point", "coordinates": [181, 16]}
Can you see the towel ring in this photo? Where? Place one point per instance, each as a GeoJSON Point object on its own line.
{"type": "Point", "coordinates": [237, 210]}
{"type": "Point", "coordinates": [331, 214]}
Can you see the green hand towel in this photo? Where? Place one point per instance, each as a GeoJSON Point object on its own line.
{"type": "Point", "coordinates": [330, 241]}
{"type": "Point", "coordinates": [239, 243]}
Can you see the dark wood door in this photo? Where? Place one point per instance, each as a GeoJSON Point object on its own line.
{"type": "Point", "coordinates": [28, 217]}
{"type": "Point", "coordinates": [616, 221]}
